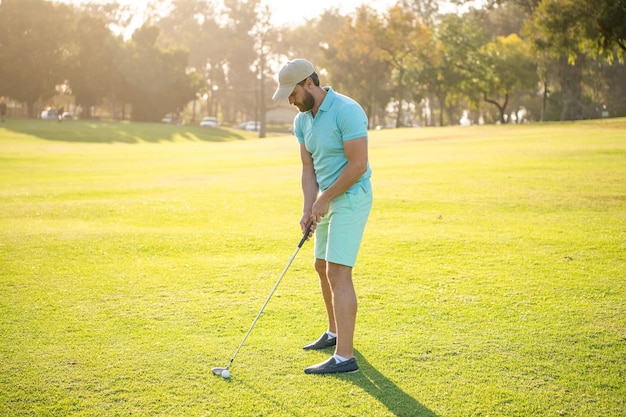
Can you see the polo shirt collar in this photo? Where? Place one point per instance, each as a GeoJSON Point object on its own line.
{"type": "Point", "coordinates": [328, 100]}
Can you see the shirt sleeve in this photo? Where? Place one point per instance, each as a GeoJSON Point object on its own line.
{"type": "Point", "coordinates": [352, 122]}
{"type": "Point", "coordinates": [297, 129]}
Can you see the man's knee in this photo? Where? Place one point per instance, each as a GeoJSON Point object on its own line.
{"type": "Point", "coordinates": [338, 273]}
{"type": "Point", "coordinates": [320, 267]}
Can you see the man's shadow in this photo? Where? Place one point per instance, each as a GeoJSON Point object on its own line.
{"type": "Point", "coordinates": [385, 391]}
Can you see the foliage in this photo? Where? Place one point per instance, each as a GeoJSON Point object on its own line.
{"type": "Point", "coordinates": [427, 10]}
{"type": "Point", "coordinates": [599, 21]}
{"type": "Point", "coordinates": [415, 55]}
{"type": "Point", "coordinates": [597, 26]}
{"type": "Point", "coordinates": [457, 72]}
{"type": "Point", "coordinates": [357, 65]}
{"type": "Point", "coordinates": [614, 87]}
{"type": "Point", "coordinates": [573, 33]}
{"type": "Point", "coordinates": [193, 25]}
{"type": "Point", "coordinates": [509, 67]}
{"type": "Point", "coordinates": [92, 72]}
{"type": "Point", "coordinates": [77, 47]}
{"type": "Point", "coordinates": [156, 79]}
{"type": "Point", "coordinates": [34, 46]}
{"type": "Point", "coordinates": [242, 75]}
{"type": "Point", "coordinates": [406, 42]}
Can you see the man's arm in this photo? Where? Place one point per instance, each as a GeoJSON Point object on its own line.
{"type": "Point", "coordinates": [356, 152]}
{"type": "Point", "coordinates": [309, 186]}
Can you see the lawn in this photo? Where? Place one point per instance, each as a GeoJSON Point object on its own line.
{"type": "Point", "coordinates": [134, 257]}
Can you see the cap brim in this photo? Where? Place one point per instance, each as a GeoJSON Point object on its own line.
{"type": "Point", "coordinates": [283, 92]}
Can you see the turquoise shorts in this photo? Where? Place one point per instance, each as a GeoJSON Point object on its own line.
{"type": "Point", "coordinates": [338, 235]}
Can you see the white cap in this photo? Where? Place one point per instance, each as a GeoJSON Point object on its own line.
{"type": "Point", "coordinates": [291, 74]}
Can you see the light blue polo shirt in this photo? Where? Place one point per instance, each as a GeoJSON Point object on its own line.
{"type": "Point", "coordinates": [338, 119]}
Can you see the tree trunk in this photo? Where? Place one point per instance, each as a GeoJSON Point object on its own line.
{"type": "Point", "coordinates": [501, 108]}
{"type": "Point", "coordinates": [571, 88]}
{"type": "Point", "coordinates": [441, 110]}
{"type": "Point", "coordinates": [400, 96]}
{"type": "Point", "coordinates": [263, 116]}
{"type": "Point", "coordinates": [31, 109]}
{"type": "Point", "coordinates": [545, 101]}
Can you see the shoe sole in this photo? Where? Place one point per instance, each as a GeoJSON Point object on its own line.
{"type": "Point", "coordinates": [332, 373]}
{"type": "Point", "coordinates": [318, 348]}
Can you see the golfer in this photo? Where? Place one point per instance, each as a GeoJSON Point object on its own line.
{"type": "Point", "coordinates": [332, 131]}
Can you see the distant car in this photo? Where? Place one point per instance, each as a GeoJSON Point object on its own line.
{"type": "Point", "coordinates": [68, 116]}
{"type": "Point", "coordinates": [250, 126]}
{"type": "Point", "coordinates": [49, 114]}
{"type": "Point", "coordinates": [253, 126]}
{"type": "Point", "coordinates": [173, 119]}
{"type": "Point", "coordinates": [209, 121]}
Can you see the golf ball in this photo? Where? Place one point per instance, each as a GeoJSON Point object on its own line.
{"type": "Point", "coordinates": [225, 373]}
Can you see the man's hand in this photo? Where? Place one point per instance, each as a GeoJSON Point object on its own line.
{"type": "Point", "coordinates": [320, 208]}
{"type": "Point", "coordinates": [304, 224]}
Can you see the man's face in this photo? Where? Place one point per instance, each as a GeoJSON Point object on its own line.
{"type": "Point", "coordinates": [302, 99]}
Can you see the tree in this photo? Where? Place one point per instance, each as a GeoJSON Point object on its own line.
{"type": "Point", "coordinates": [503, 20]}
{"type": "Point", "coordinates": [572, 32]}
{"type": "Point", "coordinates": [311, 39]}
{"type": "Point", "coordinates": [615, 88]}
{"type": "Point", "coordinates": [92, 72]}
{"type": "Point", "coordinates": [552, 32]}
{"type": "Point", "coordinates": [241, 77]}
{"type": "Point", "coordinates": [34, 45]}
{"type": "Point", "coordinates": [407, 43]}
{"type": "Point", "coordinates": [264, 36]}
{"type": "Point", "coordinates": [606, 27]}
{"type": "Point", "coordinates": [192, 25]}
{"type": "Point", "coordinates": [117, 17]}
{"type": "Point", "coordinates": [508, 67]}
{"type": "Point", "coordinates": [601, 22]}
{"type": "Point", "coordinates": [157, 80]}
{"type": "Point", "coordinates": [356, 66]}
{"type": "Point", "coordinates": [427, 10]}
{"type": "Point", "coordinates": [458, 71]}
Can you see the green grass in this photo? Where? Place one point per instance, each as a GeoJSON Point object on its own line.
{"type": "Point", "coordinates": [491, 281]}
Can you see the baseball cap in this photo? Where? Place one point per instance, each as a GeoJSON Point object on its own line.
{"type": "Point", "coordinates": [291, 74]}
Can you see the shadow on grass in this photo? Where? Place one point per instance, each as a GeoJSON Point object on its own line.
{"type": "Point", "coordinates": [374, 383]}
{"type": "Point", "coordinates": [377, 385]}
{"type": "Point", "coordinates": [118, 132]}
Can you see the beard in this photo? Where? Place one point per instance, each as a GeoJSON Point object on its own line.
{"type": "Point", "coordinates": [307, 103]}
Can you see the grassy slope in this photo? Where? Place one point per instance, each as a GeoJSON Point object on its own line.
{"type": "Point", "coordinates": [134, 258]}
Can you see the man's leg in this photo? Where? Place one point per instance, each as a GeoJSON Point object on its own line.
{"type": "Point", "coordinates": [320, 268]}
{"type": "Point", "coordinates": [344, 305]}
{"type": "Point", "coordinates": [341, 305]}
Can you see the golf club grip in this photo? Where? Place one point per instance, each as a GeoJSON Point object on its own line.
{"type": "Point", "coordinates": [306, 234]}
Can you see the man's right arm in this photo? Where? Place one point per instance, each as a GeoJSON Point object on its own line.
{"type": "Point", "coordinates": [309, 186]}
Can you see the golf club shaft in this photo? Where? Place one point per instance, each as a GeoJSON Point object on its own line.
{"type": "Point", "coordinates": [304, 238]}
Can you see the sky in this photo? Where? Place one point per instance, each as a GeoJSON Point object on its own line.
{"type": "Point", "coordinates": [283, 12]}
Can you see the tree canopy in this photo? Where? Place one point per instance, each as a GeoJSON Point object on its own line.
{"type": "Point", "coordinates": [412, 63]}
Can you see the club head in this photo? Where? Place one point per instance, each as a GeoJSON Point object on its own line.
{"type": "Point", "coordinates": [218, 371]}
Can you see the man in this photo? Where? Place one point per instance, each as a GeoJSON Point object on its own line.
{"type": "Point", "coordinates": [332, 131]}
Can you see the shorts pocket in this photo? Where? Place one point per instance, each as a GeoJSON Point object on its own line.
{"type": "Point", "coordinates": [360, 195]}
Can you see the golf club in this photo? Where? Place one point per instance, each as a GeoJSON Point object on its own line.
{"type": "Point", "coordinates": [224, 371]}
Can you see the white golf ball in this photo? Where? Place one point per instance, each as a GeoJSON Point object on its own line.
{"type": "Point", "coordinates": [225, 373]}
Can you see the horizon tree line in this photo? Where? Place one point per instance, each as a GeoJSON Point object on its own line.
{"type": "Point", "coordinates": [411, 64]}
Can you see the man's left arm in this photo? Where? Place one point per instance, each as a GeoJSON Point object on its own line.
{"type": "Point", "coordinates": [356, 153]}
